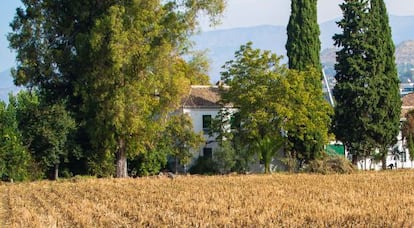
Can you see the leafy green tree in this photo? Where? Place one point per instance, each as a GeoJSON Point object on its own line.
{"type": "Point", "coordinates": [303, 45]}
{"type": "Point", "coordinates": [45, 130]}
{"type": "Point", "coordinates": [303, 50]}
{"type": "Point", "coordinates": [272, 99]}
{"type": "Point", "coordinates": [308, 130]}
{"type": "Point", "coordinates": [256, 85]}
{"type": "Point", "coordinates": [15, 160]}
{"type": "Point", "coordinates": [113, 61]}
{"type": "Point", "coordinates": [181, 138]}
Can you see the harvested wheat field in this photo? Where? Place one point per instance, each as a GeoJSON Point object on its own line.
{"type": "Point", "coordinates": [363, 199]}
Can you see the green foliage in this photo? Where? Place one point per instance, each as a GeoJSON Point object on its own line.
{"type": "Point", "coordinates": [272, 99]}
{"type": "Point", "coordinates": [203, 165]}
{"type": "Point", "coordinates": [353, 100]}
{"type": "Point", "coordinates": [15, 160]}
{"type": "Point", "coordinates": [367, 91]}
{"type": "Point", "coordinates": [407, 131]}
{"type": "Point", "coordinates": [308, 128]}
{"type": "Point", "coordinates": [197, 69]}
{"type": "Point", "coordinates": [410, 145]}
{"type": "Point", "coordinates": [386, 115]}
{"type": "Point", "coordinates": [46, 128]}
{"type": "Point", "coordinates": [268, 148]}
{"type": "Point", "coordinates": [225, 157]}
{"type": "Point", "coordinates": [256, 87]}
{"type": "Point", "coordinates": [180, 138]}
{"type": "Point", "coordinates": [149, 163]}
{"type": "Point", "coordinates": [115, 62]}
{"type": "Point", "coordinates": [227, 129]}
{"type": "Point", "coordinates": [303, 45]}
{"type": "Point", "coordinates": [303, 50]}
{"type": "Point", "coordinates": [102, 164]}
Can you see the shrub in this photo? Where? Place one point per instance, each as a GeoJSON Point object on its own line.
{"type": "Point", "coordinates": [203, 165]}
{"type": "Point", "coordinates": [148, 163]}
{"type": "Point", "coordinates": [225, 158]}
{"type": "Point", "coordinates": [329, 165]}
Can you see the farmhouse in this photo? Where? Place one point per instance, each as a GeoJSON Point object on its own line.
{"type": "Point", "coordinates": [202, 104]}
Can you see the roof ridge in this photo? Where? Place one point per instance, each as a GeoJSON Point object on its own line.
{"type": "Point", "coordinates": [203, 86]}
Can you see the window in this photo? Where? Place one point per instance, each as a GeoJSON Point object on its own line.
{"type": "Point", "coordinates": [207, 152]}
{"type": "Point", "coordinates": [206, 123]}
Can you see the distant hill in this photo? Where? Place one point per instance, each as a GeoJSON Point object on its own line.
{"type": "Point", "coordinates": [404, 52]}
{"type": "Point", "coordinates": [223, 43]}
{"type": "Point", "coordinates": [404, 58]}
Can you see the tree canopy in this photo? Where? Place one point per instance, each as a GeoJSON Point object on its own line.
{"type": "Point", "coordinates": [15, 160]}
{"type": "Point", "coordinates": [303, 45]}
{"type": "Point", "coordinates": [272, 100]}
{"type": "Point", "coordinates": [303, 50]}
{"type": "Point", "coordinates": [114, 63]}
{"type": "Point", "coordinates": [368, 105]}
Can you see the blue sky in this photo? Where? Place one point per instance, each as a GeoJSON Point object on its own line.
{"type": "Point", "coordinates": [7, 11]}
{"type": "Point", "coordinates": [239, 13]}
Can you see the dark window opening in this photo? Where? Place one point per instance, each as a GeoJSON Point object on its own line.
{"type": "Point", "coordinates": [206, 123]}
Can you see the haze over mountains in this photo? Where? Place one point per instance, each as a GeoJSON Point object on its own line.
{"type": "Point", "coordinates": [223, 43]}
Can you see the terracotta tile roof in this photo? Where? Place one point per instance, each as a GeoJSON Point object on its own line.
{"type": "Point", "coordinates": [202, 97]}
{"type": "Point", "coordinates": [407, 104]}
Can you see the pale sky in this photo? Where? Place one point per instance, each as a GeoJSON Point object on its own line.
{"type": "Point", "coordinates": [239, 13]}
{"type": "Point", "coordinates": [244, 13]}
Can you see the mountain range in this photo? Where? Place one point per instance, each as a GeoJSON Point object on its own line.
{"type": "Point", "coordinates": [221, 45]}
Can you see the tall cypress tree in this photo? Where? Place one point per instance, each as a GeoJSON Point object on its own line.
{"type": "Point", "coordinates": [303, 45]}
{"type": "Point", "coordinates": [352, 75]}
{"type": "Point", "coordinates": [367, 92]}
{"type": "Point", "coordinates": [303, 49]}
{"type": "Point", "coordinates": [386, 116]}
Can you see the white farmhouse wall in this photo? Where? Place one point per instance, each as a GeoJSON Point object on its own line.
{"type": "Point", "coordinates": [396, 160]}
{"type": "Point", "coordinates": [196, 115]}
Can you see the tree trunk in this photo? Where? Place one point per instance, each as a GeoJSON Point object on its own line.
{"type": "Point", "coordinates": [121, 160]}
{"type": "Point", "coordinates": [56, 172]}
{"type": "Point", "coordinates": [267, 167]}
{"type": "Point", "coordinates": [384, 161]}
{"type": "Point", "coordinates": [354, 159]}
